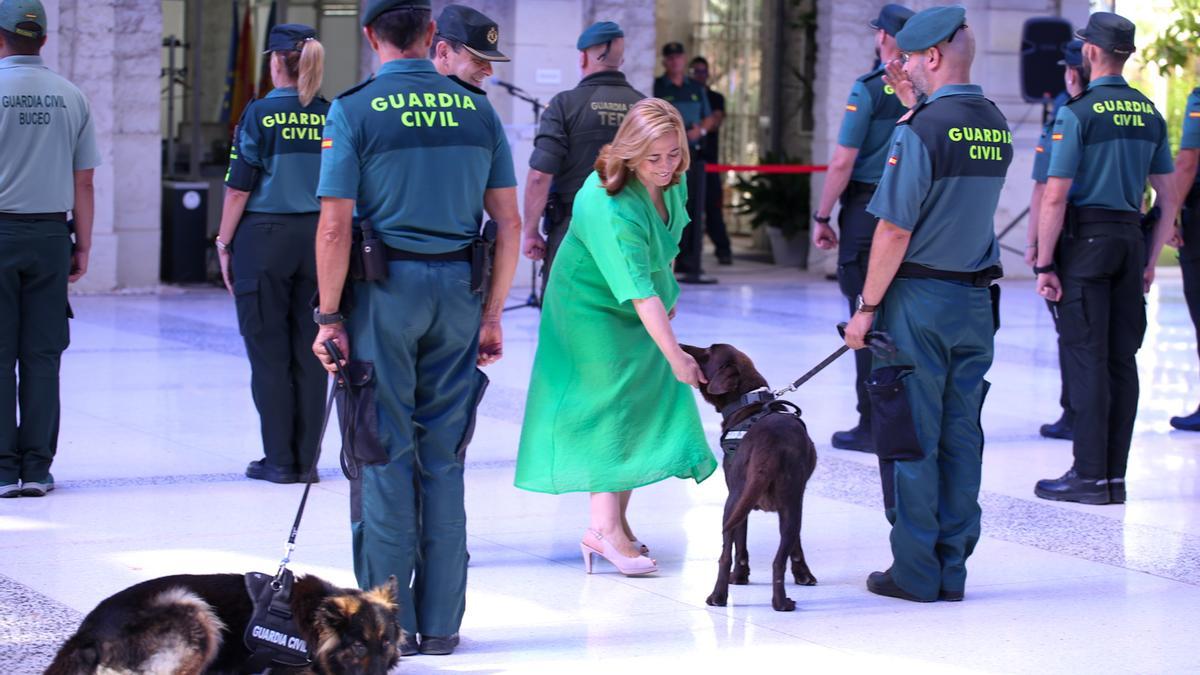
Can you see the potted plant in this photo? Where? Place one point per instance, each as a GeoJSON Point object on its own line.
{"type": "Point", "coordinates": [778, 201]}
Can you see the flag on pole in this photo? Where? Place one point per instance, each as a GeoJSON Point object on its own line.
{"type": "Point", "coordinates": [243, 78]}
{"type": "Point", "coordinates": [264, 76]}
{"type": "Point", "coordinates": [230, 67]}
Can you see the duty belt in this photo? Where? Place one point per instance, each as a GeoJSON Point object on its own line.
{"type": "Point", "coordinates": [981, 278]}
{"type": "Point", "coordinates": [57, 216]}
{"type": "Point", "coordinates": [1086, 215]}
{"type": "Point", "coordinates": [461, 255]}
{"type": "Point", "coordinates": [856, 189]}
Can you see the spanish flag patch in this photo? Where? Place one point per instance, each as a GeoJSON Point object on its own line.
{"type": "Point", "coordinates": [1195, 113]}
{"type": "Point", "coordinates": [851, 107]}
{"type": "Point", "coordinates": [893, 160]}
{"type": "Point", "coordinates": [326, 143]}
{"type": "Point", "coordinates": [1040, 149]}
{"type": "Point", "coordinates": [1056, 137]}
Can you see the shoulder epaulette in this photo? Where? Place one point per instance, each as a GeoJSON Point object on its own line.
{"type": "Point", "coordinates": [355, 88]}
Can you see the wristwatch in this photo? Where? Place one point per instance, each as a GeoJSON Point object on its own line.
{"type": "Point", "coordinates": [326, 319]}
{"type": "Point", "coordinates": [860, 306]}
{"type": "Point", "coordinates": [221, 246]}
{"type": "Point", "coordinates": [824, 220]}
{"type": "Point", "coordinates": [1045, 269]}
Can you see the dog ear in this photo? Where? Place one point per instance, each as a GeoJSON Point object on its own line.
{"type": "Point", "coordinates": [697, 353]}
{"type": "Point", "coordinates": [724, 380]}
{"type": "Point", "coordinates": [389, 590]}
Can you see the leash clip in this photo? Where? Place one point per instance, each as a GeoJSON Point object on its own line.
{"type": "Point", "coordinates": [277, 582]}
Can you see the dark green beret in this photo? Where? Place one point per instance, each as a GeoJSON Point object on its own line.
{"type": "Point", "coordinates": [892, 18]}
{"type": "Point", "coordinates": [930, 27]}
{"type": "Point", "coordinates": [1110, 32]}
{"type": "Point", "coordinates": [599, 33]}
{"type": "Point", "coordinates": [1072, 54]}
{"type": "Point", "coordinates": [377, 7]}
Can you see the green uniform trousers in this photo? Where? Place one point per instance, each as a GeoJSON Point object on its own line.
{"type": "Point", "coordinates": [943, 329]}
{"type": "Point", "coordinates": [420, 327]}
{"type": "Point", "coordinates": [35, 260]}
{"type": "Point", "coordinates": [275, 277]}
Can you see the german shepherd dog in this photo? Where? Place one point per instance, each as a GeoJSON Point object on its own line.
{"type": "Point", "coordinates": [768, 471]}
{"type": "Point", "coordinates": [191, 624]}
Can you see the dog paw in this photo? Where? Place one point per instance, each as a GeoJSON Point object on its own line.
{"type": "Point", "coordinates": [805, 578]}
{"type": "Point", "coordinates": [741, 576]}
{"type": "Point", "coordinates": [717, 599]}
{"type": "Point", "coordinates": [785, 605]}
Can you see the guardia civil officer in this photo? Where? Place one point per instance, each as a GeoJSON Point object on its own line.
{"type": "Point", "coordinates": [265, 245]}
{"type": "Point", "coordinates": [854, 172]}
{"type": "Point", "coordinates": [464, 47]}
{"type": "Point", "coordinates": [1075, 77]}
{"type": "Point", "coordinates": [690, 100]}
{"type": "Point", "coordinates": [419, 158]}
{"type": "Point", "coordinates": [710, 150]}
{"type": "Point", "coordinates": [1106, 143]}
{"type": "Point", "coordinates": [1188, 239]}
{"type": "Point", "coordinates": [576, 124]}
{"type": "Point", "coordinates": [46, 166]}
{"type": "Point", "coordinates": [933, 258]}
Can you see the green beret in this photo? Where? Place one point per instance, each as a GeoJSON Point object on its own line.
{"type": "Point", "coordinates": [930, 27]}
{"type": "Point", "coordinates": [377, 7]}
{"type": "Point", "coordinates": [601, 32]}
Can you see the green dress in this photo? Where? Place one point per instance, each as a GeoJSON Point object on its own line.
{"type": "Point", "coordinates": [605, 413]}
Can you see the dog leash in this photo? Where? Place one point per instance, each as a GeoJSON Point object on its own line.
{"type": "Point", "coordinates": [879, 342]}
{"type": "Point", "coordinates": [290, 546]}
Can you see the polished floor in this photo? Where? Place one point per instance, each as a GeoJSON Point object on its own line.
{"type": "Point", "coordinates": [158, 424]}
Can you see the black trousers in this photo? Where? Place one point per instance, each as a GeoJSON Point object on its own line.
{"type": "Point", "coordinates": [691, 246]}
{"type": "Point", "coordinates": [856, 229]}
{"type": "Point", "coordinates": [555, 234]}
{"type": "Point", "coordinates": [1064, 397]}
{"type": "Point", "coordinates": [1189, 256]}
{"type": "Point", "coordinates": [274, 269]}
{"type": "Point", "coordinates": [714, 215]}
{"type": "Point", "coordinates": [35, 260]}
{"type": "Point", "coordinates": [1101, 321]}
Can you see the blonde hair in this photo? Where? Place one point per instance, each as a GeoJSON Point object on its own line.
{"type": "Point", "coordinates": [307, 67]}
{"type": "Point", "coordinates": [647, 121]}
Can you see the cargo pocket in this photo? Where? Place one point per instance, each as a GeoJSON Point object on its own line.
{"type": "Point", "coordinates": [249, 311]}
{"type": "Point", "coordinates": [891, 415]}
{"type": "Point", "coordinates": [480, 388]}
{"type": "Point", "coordinates": [358, 419]}
{"type": "Point", "coordinates": [1073, 320]}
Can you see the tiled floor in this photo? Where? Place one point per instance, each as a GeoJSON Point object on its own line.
{"type": "Point", "coordinates": [158, 425]}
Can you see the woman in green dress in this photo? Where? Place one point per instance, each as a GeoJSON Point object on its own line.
{"type": "Point", "coordinates": [610, 403]}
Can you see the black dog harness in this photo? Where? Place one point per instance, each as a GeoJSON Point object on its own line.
{"type": "Point", "coordinates": [272, 634]}
{"type": "Point", "coordinates": [765, 401]}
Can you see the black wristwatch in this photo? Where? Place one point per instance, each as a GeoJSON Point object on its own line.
{"type": "Point", "coordinates": [860, 306]}
{"type": "Point", "coordinates": [822, 220]}
{"type": "Point", "coordinates": [1046, 269]}
{"type": "Point", "coordinates": [326, 319]}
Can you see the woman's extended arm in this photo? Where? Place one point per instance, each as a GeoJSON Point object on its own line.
{"type": "Point", "coordinates": [653, 314]}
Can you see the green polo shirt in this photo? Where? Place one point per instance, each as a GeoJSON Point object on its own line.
{"type": "Point", "coordinates": [416, 152]}
{"type": "Point", "coordinates": [942, 179]}
{"type": "Point", "coordinates": [689, 99]}
{"type": "Point", "coordinates": [46, 136]}
{"type": "Point", "coordinates": [1191, 126]}
{"type": "Point", "coordinates": [868, 124]}
{"type": "Point", "coordinates": [279, 141]}
{"type": "Point", "coordinates": [1044, 150]}
{"type": "Point", "coordinates": [1108, 141]}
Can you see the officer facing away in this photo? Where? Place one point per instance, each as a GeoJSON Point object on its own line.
{"type": "Point", "coordinates": [576, 124]}
{"type": "Point", "coordinates": [418, 158]}
{"type": "Point", "coordinates": [1076, 78]}
{"type": "Point", "coordinates": [48, 118]}
{"type": "Point", "coordinates": [1092, 259]}
{"type": "Point", "coordinates": [464, 47]}
{"type": "Point", "coordinates": [933, 259]}
{"type": "Point", "coordinates": [265, 245]}
{"type": "Point", "coordinates": [1188, 239]}
{"type": "Point", "coordinates": [710, 150]}
{"type": "Point", "coordinates": [854, 172]}
{"type": "Point", "coordinates": [689, 99]}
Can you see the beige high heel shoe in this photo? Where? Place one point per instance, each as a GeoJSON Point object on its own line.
{"type": "Point", "coordinates": [630, 567]}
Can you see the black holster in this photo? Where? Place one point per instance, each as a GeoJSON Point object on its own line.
{"type": "Point", "coordinates": [483, 250]}
{"type": "Point", "coordinates": [368, 255]}
{"type": "Point", "coordinates": [554, 214]}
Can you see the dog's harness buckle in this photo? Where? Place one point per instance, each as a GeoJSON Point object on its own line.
{"type": "Point", "coordinates": [732, 437]}
{"type": "Point", "coordinates": [271, 634]}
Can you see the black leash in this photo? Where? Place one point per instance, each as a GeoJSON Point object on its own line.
{"type": "Point", "coordinates": [878, 342]}
{"type": "Point", "coordinates": [290, 546]}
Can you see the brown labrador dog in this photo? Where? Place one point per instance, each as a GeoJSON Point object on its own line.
{"type": "Point", "coordinates": [768, 472]}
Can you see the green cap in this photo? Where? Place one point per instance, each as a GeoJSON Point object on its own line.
{"type": "Point", "coordinates": [599, 33]}
{"type": "Point", "coordinates": [891, 18]}
{"type": "Point", "coordinates": [473, 29]}
{"type": "Point", "coordinates": [1110, 32]}
{"type": "Point", "coordinates": [26, 18]}
{"type": "Point", "coordinates": [377, 7]}
{"type": "Point", "coordinates": [931, 27]}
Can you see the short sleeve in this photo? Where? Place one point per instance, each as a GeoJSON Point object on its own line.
{"type": "Point", "coordinates": [1066, 142]}
{"type": "Point", "coordinates": [705, 107]}
{"type": "Point", "coordinates": [717, 101]}
{"type": "Point", "coordinates": [86, 155]}
{"type": "Point", "coordinates": [1191, 124]}
{"type": "Point", "coordinates": [243, 172]}
{"type": "Point", "coordinates": [501, 174]}
{"type": "Point", "coordinates": [1162, 163]}
{"type": "Point", "coordinates": [550, 145]}
{"type": "Point", "coordinates": [1041, 158]}
{"type": "Point", "coordinates": [621, 249]}
{"type": "Point", "coordinates": [341, 168]}
{"type": "Point", "coordinates": [856, 121]}
{"type": "Point", "coordinates": [907, 177]}
{"type": "Point", "coordinates": [249, 139]}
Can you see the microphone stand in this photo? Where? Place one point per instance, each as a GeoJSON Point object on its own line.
{"type": "Point", "coordinates": [534, 300]}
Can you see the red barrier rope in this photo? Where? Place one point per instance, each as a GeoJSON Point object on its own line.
{"type": "Point", "coordinates": [766, 168]}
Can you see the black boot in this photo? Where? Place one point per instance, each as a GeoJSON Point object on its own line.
{"type": "Point", "coordinates": [859, 438]}
{"type": "Point", "coordinates": [438, 646]}
{"type": "Point", "coordinates": [1073, 488]}
{"type": "Point", "coordinates": [1060, 429]}
{"type": "Point", "coordinates": [260, 470]}
{"type": "Point", "coordinates": [1187, 422]}
{"type": "Point", "coordinates": [1116, 490]}
{"type": "Point", "coordinates": [881, 583]}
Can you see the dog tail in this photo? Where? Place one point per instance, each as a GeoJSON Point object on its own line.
{"type": "Point", "coordinates": [761, 469]}
{"type": "Point", "coordinates": [197, 621]}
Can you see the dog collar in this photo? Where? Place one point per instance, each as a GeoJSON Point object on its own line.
{"type": "Point", "coordinates": [760, 395]}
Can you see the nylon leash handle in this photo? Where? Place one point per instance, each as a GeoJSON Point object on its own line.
{"type": "Point", "coordinates": [879, 342]}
